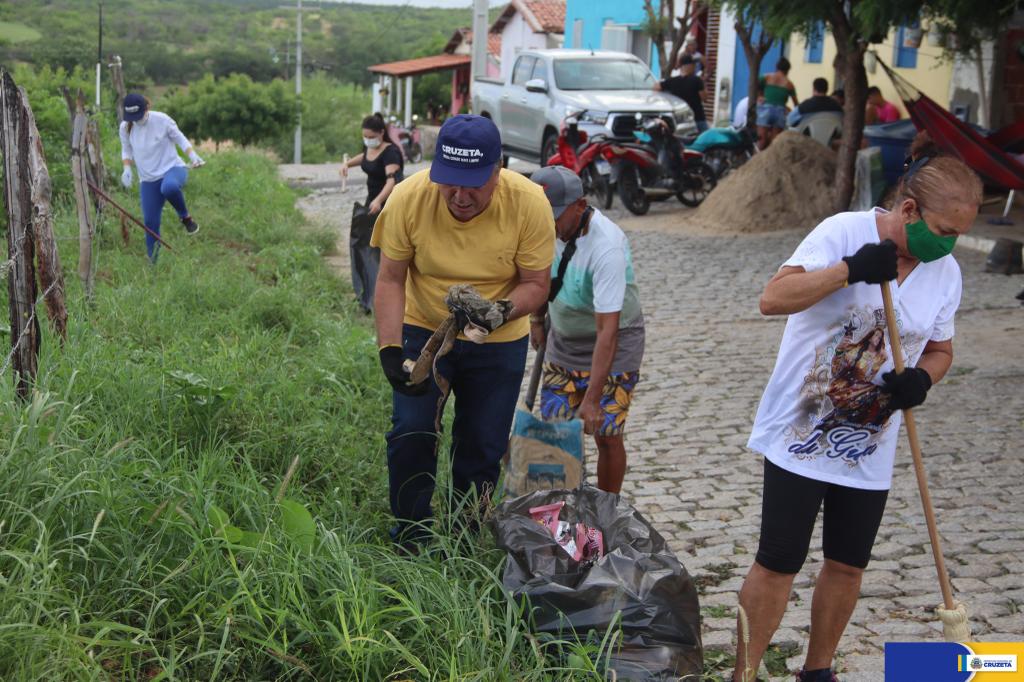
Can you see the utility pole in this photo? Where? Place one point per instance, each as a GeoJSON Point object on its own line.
{"type": "Point", "coordinates": [478, 62]}
{"type": "Point", "coordinates": [298, 82]}
{"type": "Point", "coordinates": [99, 56]}
{"type": "Point", "coordinates": [298, 77]}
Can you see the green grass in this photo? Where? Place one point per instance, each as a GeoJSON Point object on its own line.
{"type": "Point", "coordinates": [13, 32]}
{"type": "Point", "coordinates": [186, 389]}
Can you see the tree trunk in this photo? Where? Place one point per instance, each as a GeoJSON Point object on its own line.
{"type": "Point", "coordinates": [656, 33]}
{"type": "Point", "coordinates": [21, 281]}
{"type": "Point", "coordinates": [855, 83]}
{"type": "Point", "coordinates": [679, 36]}
{"type": "Point", "coordinates": [755, 55]}
{"type": "Point", "coordinates": [51, 278]}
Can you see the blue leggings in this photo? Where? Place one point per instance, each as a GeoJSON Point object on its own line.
{"type": "Point", "coordinates": [155, 193]}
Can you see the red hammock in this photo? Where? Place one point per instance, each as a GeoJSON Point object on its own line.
{"type": "Point", "coordinates": [1009, 138]}
{"type": "Point", "coordinates": [950, 134]}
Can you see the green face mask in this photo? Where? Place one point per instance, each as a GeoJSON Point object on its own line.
{"type": "Point", "coordinates": [925, 245]}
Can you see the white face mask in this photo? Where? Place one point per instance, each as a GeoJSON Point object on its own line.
{"type": "Point", "coordinates": [372, 142]}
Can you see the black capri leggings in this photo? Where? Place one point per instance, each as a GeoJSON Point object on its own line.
{"type": "Point", "coordinates": [789, 508]}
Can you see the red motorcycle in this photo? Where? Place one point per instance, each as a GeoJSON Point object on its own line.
{"type": "Point", "coordinates": [656, 166]}
{"type": "Point", "coordinates": [406, 139]}
{"type": "Point", "coordinates": [589, 157]}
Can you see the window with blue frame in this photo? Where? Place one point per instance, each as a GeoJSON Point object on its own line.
{"type": "Point", "coordinates": [815, 44]}
{"type": "Point", "coordinates": [905, 57]}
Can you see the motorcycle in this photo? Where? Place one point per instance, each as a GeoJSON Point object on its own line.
{"type": "Point", "coordinates": [407, 139]}
{"type": "Point", "coordinates": [656, 166]}
{"type": "Point", "coordinates": [724, 149]}
{"type": "Point", "coordinates": [589, 157]}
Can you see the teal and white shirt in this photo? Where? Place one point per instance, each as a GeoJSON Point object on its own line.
{"type": "Point", "coordinates": [598, 279]}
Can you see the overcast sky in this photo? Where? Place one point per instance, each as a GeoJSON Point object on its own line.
{"type": "Point", "coordinates": [423, 3]}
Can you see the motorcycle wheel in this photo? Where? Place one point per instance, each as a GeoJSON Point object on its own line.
{"type": "Point", "coordinates": [600, 187]}
{"type": "Point", "coordinates": [740, 157]}
{"type": "Point", "coordinates": [720, 160]}
{"type": "Point", "coordinates": [631, 191]}
{"type": "Point", "coordinates": [548, 148]}
{"type": "Point", "coordinates": [415, 153]}
{"type": "Point", "coordinates": [697, 182]}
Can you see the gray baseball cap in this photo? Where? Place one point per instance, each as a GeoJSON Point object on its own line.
{"type": "Point", "coordinates": [561, 186]}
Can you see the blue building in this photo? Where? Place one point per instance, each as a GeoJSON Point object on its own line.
{"type": "Point", "coordinates": [609, 25]}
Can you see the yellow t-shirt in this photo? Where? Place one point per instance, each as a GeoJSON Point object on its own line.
{"type": "Point", "coordinates": [516, 230]}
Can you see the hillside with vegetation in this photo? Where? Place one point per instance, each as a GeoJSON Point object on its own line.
{"type": "Point", "coordinates": [167, 43]}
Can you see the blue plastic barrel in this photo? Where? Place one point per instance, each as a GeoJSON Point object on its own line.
{"type": "Point", "coordinates": [894, 140]}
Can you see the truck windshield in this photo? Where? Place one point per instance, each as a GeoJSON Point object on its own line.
{"type": "Point", "coordinates": [602, 74]}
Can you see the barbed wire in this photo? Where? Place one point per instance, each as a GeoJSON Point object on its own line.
{"type": "Point", "coordinates": [27, 329]}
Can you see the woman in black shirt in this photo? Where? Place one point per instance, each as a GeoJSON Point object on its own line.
{"type": "Point", "coordinates": [380, 159]}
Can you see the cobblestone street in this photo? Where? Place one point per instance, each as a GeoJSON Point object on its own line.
{"type": "Point", "coordinates": [709, 355]}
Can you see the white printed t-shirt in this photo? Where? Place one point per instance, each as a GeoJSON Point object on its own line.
{"type": "Point", "coordinates": [823, 415]}
{"type": "Point", "coordinates": [151, 145]}
{"type": "Point", "coordinates": [598, 279]}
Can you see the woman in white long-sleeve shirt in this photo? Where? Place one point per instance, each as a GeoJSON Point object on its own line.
{"type": "Point", "coordinates": [150, 141]}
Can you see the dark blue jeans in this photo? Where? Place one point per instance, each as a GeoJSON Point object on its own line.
{"type": "Point", "coordinates": [154, 194]}
{"type": "Point", "coordinates": [485, 379]}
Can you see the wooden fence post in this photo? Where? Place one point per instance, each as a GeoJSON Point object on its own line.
{"type": "Point", "coordinates": [51, 278]}
{"type": "Point", "coordinates": [117, 78]}
{"type": "Point", "coordinates": [21, 280]}
{"type": "Point", "coordinates": [80, 173]}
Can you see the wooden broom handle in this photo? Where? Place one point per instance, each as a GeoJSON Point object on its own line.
{"type": "Point", "coordinates": [915, 450]}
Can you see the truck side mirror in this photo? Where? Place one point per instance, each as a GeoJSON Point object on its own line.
{"type": "Point", "coordinates": [536, 85]}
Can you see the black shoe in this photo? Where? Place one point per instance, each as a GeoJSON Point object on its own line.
{"type": "Point", "coordinates": [190, 225]}
{"type": "Point", "coordinates": [1020, 296]}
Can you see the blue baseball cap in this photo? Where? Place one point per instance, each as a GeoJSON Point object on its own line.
{"type": "Point", "coordinates": [467, 148]}
{"type": "Point", "coordinates": [134, 107]}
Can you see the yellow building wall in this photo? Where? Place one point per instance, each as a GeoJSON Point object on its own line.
{"type": "Point", "coordinates": [932, 76]}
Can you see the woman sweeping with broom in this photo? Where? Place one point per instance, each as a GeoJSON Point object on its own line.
{"type": "Point", "coordinates": [830, 416]}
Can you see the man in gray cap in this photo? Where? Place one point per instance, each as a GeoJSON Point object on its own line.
{"type": "Point", "coordinates": [595, 342]}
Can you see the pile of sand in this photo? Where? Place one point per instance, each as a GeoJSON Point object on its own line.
{"type": "Point", "coordinates": [789, 185]}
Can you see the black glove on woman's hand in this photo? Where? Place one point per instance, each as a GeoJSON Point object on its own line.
{"type": "Point", "coordinates": [873, 263]}
{"type": "Point", "coordinates": [391, 359]}
{"type": "Point", "coordinates": [907, 389]}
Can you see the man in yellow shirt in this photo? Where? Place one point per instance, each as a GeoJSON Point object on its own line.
{"type": "Point", "coordinates": [465, 221]}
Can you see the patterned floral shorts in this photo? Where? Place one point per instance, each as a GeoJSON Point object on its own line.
{"type": "Point", "coordinates": [563, 391]}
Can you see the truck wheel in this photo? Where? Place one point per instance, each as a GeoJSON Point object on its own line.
{"type": "Point", "coordinates": [548, 148]}
{"type": "Point", "coordinates": [631, 191]}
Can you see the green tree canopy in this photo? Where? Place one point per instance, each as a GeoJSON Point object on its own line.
{"type": "Point", "coordinates": [855, 25]}
{"type": "Point", "coordinates": [233, 108]}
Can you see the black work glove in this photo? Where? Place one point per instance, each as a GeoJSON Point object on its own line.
{"type": "Point", "coordinates": [488, 318]}
{"type": "Point", "coordinates": [391, 359]}
{"type": "Point", "coordinates": [873, 263]}
{"type": "Point", "coordinates": [907, 389]}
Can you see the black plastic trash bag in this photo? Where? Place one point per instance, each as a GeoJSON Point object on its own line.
{"type": "Point", "coordinates": [364, 258]}
{"type": "Point", "coordinates": [638, 576]}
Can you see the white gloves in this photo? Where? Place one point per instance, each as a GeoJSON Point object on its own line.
{"type": "Point", "coordinates": [126, 177]}
{"type": "Point", "coordinates": [196, 160]}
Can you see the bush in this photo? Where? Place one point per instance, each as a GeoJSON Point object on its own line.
{"type": "Point", "coordinates": [332, 114]}
{"type": "Point", "coordinates": [232, 108]}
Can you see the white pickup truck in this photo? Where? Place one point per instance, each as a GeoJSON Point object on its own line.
{"type": "Point", "coordinates": [543, 86]}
